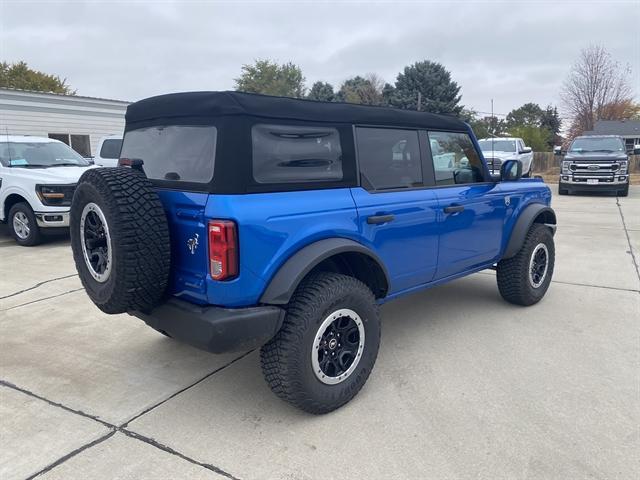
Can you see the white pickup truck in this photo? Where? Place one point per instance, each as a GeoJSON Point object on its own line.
{"type": "Point", "coordinates": [498, 150]}
{"type": "Point", "coordinates": [37, 179]}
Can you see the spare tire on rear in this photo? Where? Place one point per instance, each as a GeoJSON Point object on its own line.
{"type": "Point", "coordinates": [120, 240]}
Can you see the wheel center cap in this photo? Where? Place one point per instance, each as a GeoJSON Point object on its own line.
{"type": "Point", "coordinates": [333, 343]}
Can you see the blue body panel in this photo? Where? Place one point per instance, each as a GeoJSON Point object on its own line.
{"type": "Point", "coordinates": [408, 245]}
{"type": "Point", "coordinates": [421, 247]}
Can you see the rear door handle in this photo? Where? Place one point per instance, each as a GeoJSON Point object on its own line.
{"type": "Point", "coordinates": [377, 219]}
{"type": "Point", "coordinates": [453, 209]}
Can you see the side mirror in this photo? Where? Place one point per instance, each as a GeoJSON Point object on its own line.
{"type": "Point", "coordinates": [636, 149]}
{"type": "Point", "coordinates": [557, 151]}
{"type": "Point", "coordinates": [526, 150]}
{"type": "Point", "coordinates": [511, 171]}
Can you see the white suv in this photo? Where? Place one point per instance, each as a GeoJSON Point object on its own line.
{"type": "Point", "coordinates": [37, 179]}
{"type": "Point", "coordinates": [108, 151]}
{"type": "Point", "coordinates": [498, 150]}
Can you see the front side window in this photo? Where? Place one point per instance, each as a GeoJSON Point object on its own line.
{"type": "Point", "coordinates": [176, 152]}
{"type": "Point", "coordinates": [39, 155]}
{"type": "Point", "coordinates": [296, 154]}
{"type": "Point", "coordinates": [455, 160]}
{"type": "Point", "coordinates": [389, 158]}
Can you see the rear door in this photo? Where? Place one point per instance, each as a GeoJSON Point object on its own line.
{"type": "Point", "coordinates": [180, 159]}
{"type": "Point", "coordinates": [397, 215]}
{"type": "Point", "coordinates": [471, 209]}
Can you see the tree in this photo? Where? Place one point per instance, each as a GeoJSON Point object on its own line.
{"type": "Point", "coordinates": [271, 78]}
{"type": "Point", "coordinates": [19, 75]}
{"type": "Point", "coordinates": [483, 127]}
{"type": "Point", "coordinates": [530, 117]}
{"type": "Point", "coordinates": [595, 82]}
{"type": "Point", "coordinates": [539, 139]}
{"type": "Point", "coordinates": [364, 90]}
{"type": "Point", "coordinates": [529, 114]}
{"type": "Point", "coordinates": [430, 84]}
{"type": "Point", "coordinates": [322, 91]}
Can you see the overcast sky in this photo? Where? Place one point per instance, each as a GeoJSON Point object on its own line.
{"type": "Point", "coordinates": [513, 52]}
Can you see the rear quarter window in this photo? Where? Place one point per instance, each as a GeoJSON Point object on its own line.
{"type": "Point", "coordinates": [175, 153]}
{"type": "Point", "coordinates": [295, 154]}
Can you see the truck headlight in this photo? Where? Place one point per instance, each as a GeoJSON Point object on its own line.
{"type": "Point", "coordinates": [565, 166]}
{"type": "Point", "coordinates": [55, 195]}
{"type": "Point", "coordinates": [623, 166]}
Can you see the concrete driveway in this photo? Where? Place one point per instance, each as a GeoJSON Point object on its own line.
{"type": "Point", "coordinates": [466, 385]}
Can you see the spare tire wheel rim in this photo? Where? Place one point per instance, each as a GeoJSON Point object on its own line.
{"type": "Point", "coordinates": [96, 242]}
{"type": "Point", "coordinates": [538, 265]}
{"type": "Point", "coordinates": [337, 346]}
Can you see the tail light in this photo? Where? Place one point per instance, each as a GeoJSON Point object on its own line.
{"type": "Point", "coordinates": [223, 249]}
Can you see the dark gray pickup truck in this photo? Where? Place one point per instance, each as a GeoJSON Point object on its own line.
{"type": "Point", "coordinates": [598, 162]}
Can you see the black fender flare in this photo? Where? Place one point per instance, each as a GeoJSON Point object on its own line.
{"type": "Point", "coordinates": [527, 218]}
{"type": "Point", "coordinates": [282, 285]}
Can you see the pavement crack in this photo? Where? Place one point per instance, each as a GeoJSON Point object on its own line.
{"type": "Point", "coordinates": [43, 299]}
{"type": "Point", "coordinates": [144, 412]}
{"type": "Point", "coordinates": [4, 383]}
{"type": "Point", "coordinates": [171, 451]}
{"type": "Point", "coordinates": [72, 454]}
{"type": "Point", "coordinates": [39, 284]}
{"type": "Point", "coordinates": [123, 428]}
{"type": "Point", "coordinates": [626, 232]}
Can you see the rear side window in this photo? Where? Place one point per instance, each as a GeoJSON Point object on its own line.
{"type": "Point", "coordinates": [455, 160]}
{"type": "Point", "coordinates": [389, 158]}
{"type": "Point", "coordinates": [177, 153]}
{"type": "Point", "coordinates": [111, 148]}
{"type": "Point", "coordinates": [296, 154]}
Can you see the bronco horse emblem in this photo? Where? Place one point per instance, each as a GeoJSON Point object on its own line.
{"type": "Point", "coordinates": [192, 243]}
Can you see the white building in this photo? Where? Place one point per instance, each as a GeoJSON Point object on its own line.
{"type": "Point", "coordinates": [77, 121]}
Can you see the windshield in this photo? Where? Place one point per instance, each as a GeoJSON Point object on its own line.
{"type": "Point", "coordinates": [497, 145]}
{"type": "Point", "coordinates": [594, 144]}
{"type": "Point", "coordinates": [39, 155]}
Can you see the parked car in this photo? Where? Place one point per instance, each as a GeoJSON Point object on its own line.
{"type": "Point", "coordinates": [498, 150]}
{"type": "Point", "coordinates": [37, 179]}
{"type": "Point", "coordinates": [250, 221]}
{"type": "Point", "coordinates": [108, 151]}
{"type": "Point", "coordinates": [595, 163]}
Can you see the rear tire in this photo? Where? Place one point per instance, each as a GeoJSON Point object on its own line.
{"type": "Point", "coordinates": [120, 240]}
{"type": "Point", "coordinates": [24, 225]}
{"type": "Point", "coordinates": [327, 346]}
{"type": "Point", "coordinates": [525, 278]}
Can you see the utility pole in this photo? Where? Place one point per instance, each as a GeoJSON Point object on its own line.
{"type": "Point", "coordinates": [419, 101]}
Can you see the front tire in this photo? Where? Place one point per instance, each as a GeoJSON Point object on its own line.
{"type": "Point", "coordinates": [525, 278]}
{"type": "Point", "coordinates": [24, 225]}
{"type": "Point", "coordinates": [327, 346]}
{"type": "Point", "coordinates": [562, 191]}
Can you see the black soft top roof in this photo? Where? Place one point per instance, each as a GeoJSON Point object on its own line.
{"type": "Point", "coordinates": [216, 104]}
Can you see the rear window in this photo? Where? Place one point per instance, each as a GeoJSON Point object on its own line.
{"type": "Point", "coordinates": [296, 154]}
{"type": "Point", "coordinates": [177, 153]}
{"type": "Point", "coordinates": [111, 148]}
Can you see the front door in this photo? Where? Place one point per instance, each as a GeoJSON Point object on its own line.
{"type": "Point", "coordinates": [471, 210]}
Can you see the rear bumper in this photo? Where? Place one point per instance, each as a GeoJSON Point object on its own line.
{"type": "Point", "coordinates": [215, 329]}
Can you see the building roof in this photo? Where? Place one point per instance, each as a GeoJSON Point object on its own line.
{"type": "Point", "coordinates": [217, 104]}
{"type": "Point", "coordinates": [625, 128]}
{"type": "Point", "coordinates": [59, 95]}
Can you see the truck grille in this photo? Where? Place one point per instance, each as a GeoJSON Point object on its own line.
{"type": "Point", "coordinates": [494, 163]}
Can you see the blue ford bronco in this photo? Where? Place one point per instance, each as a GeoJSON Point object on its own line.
{"type": "Point", "coordinates": [248, 221]}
